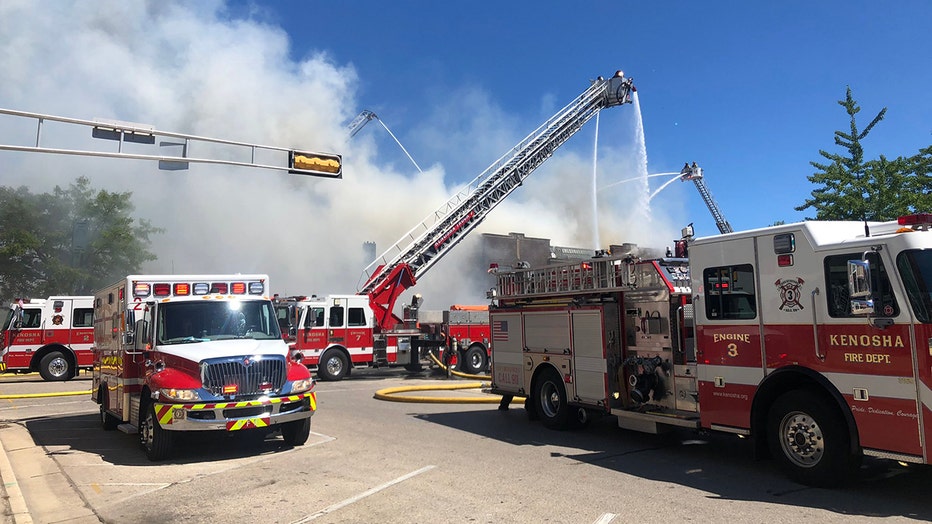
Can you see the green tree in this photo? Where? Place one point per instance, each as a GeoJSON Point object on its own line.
{"type": "Point", "coordinates": [851, 188]}
{"type": "Point", "coordinates": [68, 241]}
{"type": "Point", "coordinates": [845, 183]}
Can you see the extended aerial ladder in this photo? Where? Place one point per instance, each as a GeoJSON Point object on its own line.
{"type": "Point", "coordinates": [399, 267]}
{"type": "Point", "coordinates": [694, 172]}
{"type": "Point", "coordinates": [174, 149]}
{"type": "Point", "coordinates": [363, 118]}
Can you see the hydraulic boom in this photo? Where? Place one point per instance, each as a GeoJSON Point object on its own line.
{"type": "Point", "coordinates": [694, 173]}
{"type": "Point", "coordinates": [399, 267]}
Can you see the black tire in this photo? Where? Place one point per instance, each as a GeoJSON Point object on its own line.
{"type": "Point", "coordinates": [475, 361]}
{"type": "Point", "coordinates": [809, 438]}
{"type": "Point", "coordinates": [107, 421]}
{"type": "Point", "coordinates": [550, 400]}
{"type": "Point", "coordinates": [296, 433]}
{"type": "Point", "coordinates": [156, 441]}
{"type": "Point", "coordinates": [530, 409]}
{"type": "Point", "coordinates": [55, 367]}
{"type": "Point", "coordinates": [579, 417]}
{"type": "Point", "coordinates": [333, 366]}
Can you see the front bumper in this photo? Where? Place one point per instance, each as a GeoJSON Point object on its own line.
{"type": "Point", "coordinates": [234, 416]}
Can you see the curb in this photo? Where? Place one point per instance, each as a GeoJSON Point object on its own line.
{"type": "Point", "coordinates": [14, 494]}
{"type": "Point", "coordinates": [38, 488]}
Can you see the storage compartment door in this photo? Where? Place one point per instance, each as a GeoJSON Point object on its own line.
{"type": "Point", "coordinates": [591, 379]}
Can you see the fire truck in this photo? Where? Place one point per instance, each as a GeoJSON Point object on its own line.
{"type": "Point", "coordinates": [812, 338]}
{"type": "Point", "coordinates": [179, 353]}
{"type": "Point", "coordinates": [52, 336]}
{"type": "Point", "coordinates": [339, 332]}
{"type": "Point", "coordinates": [465, 331]}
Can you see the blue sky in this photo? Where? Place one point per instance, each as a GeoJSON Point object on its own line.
{"type": "Point", "coordinates": [748, 90]}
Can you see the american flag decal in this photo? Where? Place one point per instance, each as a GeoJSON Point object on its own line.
{"type": "Point", "coordinates": [500, 330]}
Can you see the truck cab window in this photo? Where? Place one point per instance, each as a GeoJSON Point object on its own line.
{"type": "Point", "coordinates": [915, 266]}
{"type": "Point", "coordinates": [729, 292]}
{"type": "Point", "coordinates": [836, 282]}
{"type": "Point", "coordinates": [336, 316]}
{"type": "Point", "coordinates": [357, 317]}
{"type": "Point", "coordinates": [83, 317]}
{"type": "Point", "coordinates": [32, 318]}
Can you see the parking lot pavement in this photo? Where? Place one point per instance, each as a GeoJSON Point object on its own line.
{"type": "Point", "coordinates": [34, 486]}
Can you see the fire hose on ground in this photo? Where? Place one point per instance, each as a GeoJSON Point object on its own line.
{"type": "Point", "coordinates": [392, 394]}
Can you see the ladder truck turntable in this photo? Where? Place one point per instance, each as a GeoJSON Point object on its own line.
{"type": "Point", "coordinates": [338, 332]}
{"type": "Point", "coordinates": [812, 338]}
{"type": "Point", "coordinates": [52, 336]}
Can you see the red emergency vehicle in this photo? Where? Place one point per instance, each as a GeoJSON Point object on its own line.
{"type": "Point", "coordinates": [50, 335]}
{"type": "Point", "coordinates": [812, 338]}
{"type": "Point", "coordinates": [196, 353]}
{"type": "Point", "coordinates": [465, 332]}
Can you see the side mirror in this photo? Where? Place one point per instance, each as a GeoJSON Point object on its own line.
{"type": "Point", "coordinates": [140, 335]}
{"type": "Point", "coordinates": [859, 287]}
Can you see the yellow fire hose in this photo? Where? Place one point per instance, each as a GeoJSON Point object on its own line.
{"type": "Point", "coordinates": [40, 395]}
{"type": "Point", "coordinates": [390, 394]}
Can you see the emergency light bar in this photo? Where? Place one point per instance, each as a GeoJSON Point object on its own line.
{"type": "Point", "coordinates": [917, 219]}
{"type": "Point", "coordinates": [183, 289]}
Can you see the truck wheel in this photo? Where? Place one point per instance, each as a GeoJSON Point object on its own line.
{"type": "Point", "coordinates": [810, 439]}
{"type": "Point", "coordinates": [156, 441]}
{"type": "Point", "coordinates": [108, 421]}
{"type": "Point", "coordinates": [55, 366]}
{"type": "Point", "coordinates": [296, 433]}
{"type": "Point", "coordinates": [530, 409]}
{"type": "Point", "coordinates": [550, 400]}
{"type": "Point", "coordinates": [333, 366]}
{"type": "Point", "coordinates": [475, 360]}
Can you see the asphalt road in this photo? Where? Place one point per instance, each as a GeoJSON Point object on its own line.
{"type": "Point", "coordinates": [371, 460]}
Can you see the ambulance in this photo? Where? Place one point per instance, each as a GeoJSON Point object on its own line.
{"type": "Point", "coordinates": [175, 353]}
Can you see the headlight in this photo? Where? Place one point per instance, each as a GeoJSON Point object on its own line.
{"type": "Point", "coordinates": [300, 386]}
{"type": "Point", "coordinates": [183, 395]}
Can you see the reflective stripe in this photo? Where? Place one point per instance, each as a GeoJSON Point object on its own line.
{"type": "Point", "coordinates": [731, 374]}
{"type": "Point", "coordinates": [235, 425]}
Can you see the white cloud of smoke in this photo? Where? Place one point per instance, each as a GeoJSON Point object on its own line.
{"type": "Point", "coordinates": [187, 67]}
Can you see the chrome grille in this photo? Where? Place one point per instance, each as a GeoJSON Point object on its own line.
{"type": "Point", "coordinates": [252, 375]}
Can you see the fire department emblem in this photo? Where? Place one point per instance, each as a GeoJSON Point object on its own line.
{"type": "Point", "coordinates": [789, 293]}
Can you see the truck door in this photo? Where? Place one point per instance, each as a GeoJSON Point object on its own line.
{"type": "Point", "coordinates": [870, 358]}
{"type": "Point", "coordinates": [508, 358]}
{"type": "Point", "coordinates": [589, 367]}
{"type": "Point", "coordinates": [358, 330]}
{"type": "Point", "coordinates": [59, 329]}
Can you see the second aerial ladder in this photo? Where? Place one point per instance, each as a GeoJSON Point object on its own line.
{"type": "Point", "coordinates": [398, 268]}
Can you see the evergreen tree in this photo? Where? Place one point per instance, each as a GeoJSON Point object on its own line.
{"type": "Point", "coordinates": [845, 183]}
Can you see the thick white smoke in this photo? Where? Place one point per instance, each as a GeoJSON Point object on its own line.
{"type": "Point", "coordinates": [188, 67]}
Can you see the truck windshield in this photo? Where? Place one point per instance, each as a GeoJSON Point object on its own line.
{"type": "Point", "coordinates": [915, 267]}
{"type": "Point", "coordinates": [10, 314]}
{"type": "Point", "coordinates": [191, 322]}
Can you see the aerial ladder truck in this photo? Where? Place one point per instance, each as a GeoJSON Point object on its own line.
{"type": "Point", "coordinates": [694, 172]}
{"type": "Point", "coordinates": [399, 267]}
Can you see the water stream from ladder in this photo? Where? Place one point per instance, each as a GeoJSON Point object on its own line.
{"type": "Point", "coordinates": [641, 193]}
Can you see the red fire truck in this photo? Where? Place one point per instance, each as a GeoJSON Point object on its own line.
{"type": "Point", "coordinates": [52, 336]}
{"type": "Point", "coordinates": [465, 331]}
{"type": "Point", "coordinates": [196, 353]}
{"type": "Point", "coordinates": [812, 338]}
